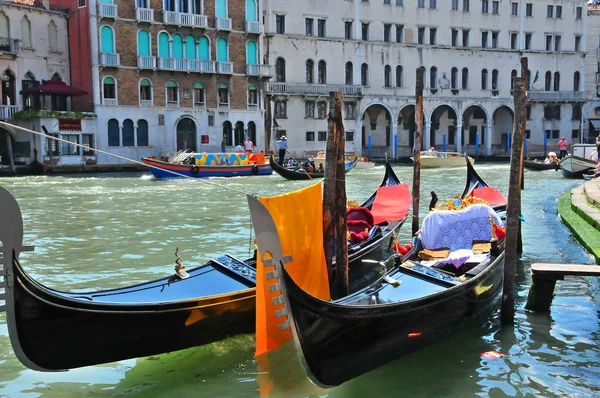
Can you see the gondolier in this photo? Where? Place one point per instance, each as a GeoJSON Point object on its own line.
{"type": "Point", "coordinates": [282, 146]}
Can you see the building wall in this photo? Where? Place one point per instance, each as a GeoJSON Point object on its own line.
{"type": "Point", "coordinates": [592, 65]}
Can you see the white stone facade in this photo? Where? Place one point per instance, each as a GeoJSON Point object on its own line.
{"type": "Point", "coordinates": [591, 111]}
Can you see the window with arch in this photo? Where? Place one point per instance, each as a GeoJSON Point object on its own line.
{"type": "Point", "coordinates": [164, 49]}
{"type": "Point", "coordinates": [107, 39]}
{"type": "Point", "coordinates": [142, 132]}
{"type": "Point", "coordinates": [203, 49]}
{"type": "Point", "coordinates": [177, 46]}
{"type": "Point", "coordinates": [454, 78]}
{"type": "Point", "coordinates": [576, 79]}
{"type": "Point", "coordinates": [109, 91]}
{"type": "Point", "coordinates": [251, 53]}
{"type": "Point", "coordinates": [172, 93]}
{"type": "Point", "coordinates": [513, 74]}
{"type": "Point", "coordinates": [252, 96]}
{"type": "Point", "coordinates": [433, 77]}
{"type": "Point", "coordinates": [145, 92]}
{"type": "Point", "coordinates": [190, 47]}
{"type": "Point", "coordinates": [465, 79]}
{"type": "Point", "coordinates": [556, 81]}
{"type": "Point", "coordinates": [26, 33]}
{"type": "Point", "coordinates": [484, 79]}
{"type": "Point", "coordinates": [399, 76]}
{"type": "Point", "coordinates": [30, 101]}
{"type": "Point", "coordinates": [364, 75]}
{"type": "Point", "coordinates": [128, 133]}
{"type": "Point", "coordinates": [322, 73]}
{"type": "Point", "coordinates": [251, 11]}
{"type": "Point", "coordinates": [221, 10]}
{"type": "Point", "coordinates": [310, 70]}
{"type": "Point", "coordinates": [252, 132]}
{"type": "Point", "coordinates": [113, 133]}
{"type": "Point", "coordinates": [4, 31]}
{"type": "Point", "coordinates": [199, 95]}
{"type": "Point", "coordinates": [280, 70]}
{"type": "Point", "coordinates": [222, 50]}
{"type": "Point", "coordinates": [548, 81]}
{"type": "Point", "coordinates": [223, 95]}
{"type": "Point", "coordinates": [53, 37]}
{"type": "Point", "coordinates": [387, 76]}
{"type": "Point", "coordinates": [143, 43]}
{"type": "Point", "coordinates": [349, 73]}
{"type": "Point", "coordinates": [495, 79]}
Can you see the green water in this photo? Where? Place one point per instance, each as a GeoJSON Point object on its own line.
{"type": "Point", "coordinates": [115, 230]}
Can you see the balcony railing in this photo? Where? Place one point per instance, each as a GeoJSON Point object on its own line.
{"type": "Point", "coordinates": [146, 62]}
{"type": "Point", "coordinates": [313, 89]}
{"type": "Point", "coordinates": [259, 70]}
{"type": "Point", "coordinates": [253, 27]}
{"type": "Point", "coordinates": [9, 46]}
{"type": "Point", "coordinates": [172, 64]}
{"type": "Point", "coordinates": [144, 14]}
{"type": "Point", "coordinates": [558, 96]}
{"type": "Point", "coordinates": [223, 23]}
{"type": "Point", "coordinates": [109, 101]}
{"type": "Point", "coordinates": [225, 68]}
{"type": "Point", "coordinates": [110, 59]}
{"type": "Point", "coordinates": [146, 103]}
{"type": "Point", "coordinates": [107, 10]}
{"type": "Point", "coordinates": [185, 19]}
{"type": "Point", "coordinates": [8, 111]}
{"type": "Point", "coordinates": [201, 66]}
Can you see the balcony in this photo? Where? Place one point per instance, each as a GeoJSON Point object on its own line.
{"type": "Point", "coordinates": [146, 103]}
{"type": "Point", "coordinates": [185, 19]}
{"type": "Point", "coordinates": [110, 59]}
{"type": "Point", "coordinates": [223, 23]}
{"type": "Point", "coordinates": [146, 62]}
{"type": "Point", "coordinates": [107, 10]}
{"type": "Point", "coordinates": [225, 68]}
{"type": "Point", "coordinates": [195, 65]}
{"type": "Point", "coordinates": [109, 101]}
{"type": "Point", "coordinates": [556, 96]}
{"type": "Point", "coordinates": [144, 14]}
{"type": "Point", "coordinates": [179, 64]}
{"type": "Point", "coordinates": [259, 70]}
{"type": "Point", "coordinates": [9, 46]}
{"type": "Point", "coordinates": [253, 27]}
{"type": "Point", "coordinates": [8, 111]}
{"type": "Point", "coordinates": [313, 89]}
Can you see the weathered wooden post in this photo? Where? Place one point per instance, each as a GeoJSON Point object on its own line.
{"type": "Point", "coordinates": [513, 209]}
{"type": "Point", "coordinates": [524, 75]}
{"type": "Point", "coordinates": [416, 188]}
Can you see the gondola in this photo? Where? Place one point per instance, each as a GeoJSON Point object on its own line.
{"type": "Point", "coordinates": [52, 330]}
{"type": "Point", "coordinates": [291, 174]}
{"type": "Point", "coordinates": [411, 306]}
{"type": "Point", "coordinates": [533, 165]}
{"type": "Point", "coordinates": [576, 167]}
{"type": "Point", "coordinates": [476, 186]}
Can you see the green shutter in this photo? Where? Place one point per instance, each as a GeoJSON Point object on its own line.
{"type": "Point", "coordinates": [222, 50]}
{"type": "Point", "coordinates": [198, 85]}
{"type": "Point", "coordinates": [190, 47]}
{"type": "Point", "coordinates": [107, 40]}
{"type": "Point", "coordinates": [177, 46]}
{"type": "Point", "coordinates": [203, 49]}
{"type": "Point", "coordinates": [171, 83]}
{"type": "Point", "coordinates": [251, 53]}
{"type": "Point", "coordinates": [163, 45]}
{"type": "Point", "coordinates": [145, 82]}
{"type": "Point", "coordinates": [143, 43]}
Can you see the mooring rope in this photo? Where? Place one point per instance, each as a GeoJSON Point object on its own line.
{"type": "Point", "coordinates": [124, 158]}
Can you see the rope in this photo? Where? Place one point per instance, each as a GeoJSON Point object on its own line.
{"type": "Point", "coordinates": [124, 158]}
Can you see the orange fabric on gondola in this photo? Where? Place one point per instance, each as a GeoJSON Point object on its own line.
{"type": "Point", "coordinates": [391, 203]}
{"type": "Point", "coordinates": [299, 219]}
{"type": "Point", "coordinates": [490, 195]}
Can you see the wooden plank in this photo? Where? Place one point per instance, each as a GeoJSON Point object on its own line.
{"type": "Point", "coordinates": [565, 269]}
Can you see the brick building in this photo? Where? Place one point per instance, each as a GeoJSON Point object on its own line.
{"type": "Point", "coordinates": [172, 75]}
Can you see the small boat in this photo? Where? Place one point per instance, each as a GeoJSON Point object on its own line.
{"type": "Point", "coordinates": [363, 161]}
{"type": "Point", "coordinates": [197, 165]}
{"type": "Point", "coordinates": [575, 167]}
{"type": "Point", "coordinates": [535, 165]}
{"type": "Point", "coordinates": [444, 159]}
{"type": "Point", "coordinates": [299, 174]}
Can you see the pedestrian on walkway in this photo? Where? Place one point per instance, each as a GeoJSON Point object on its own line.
{"type": "Point", "coordinates": [248, 145]}
{"type": "Point", "coordinates": [282, 145]}
{"type": "Point", "coordinates": [562, 145]}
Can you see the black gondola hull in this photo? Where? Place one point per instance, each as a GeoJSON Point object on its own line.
{"type": "Point", "coordinates": [295, 175]}
{"type": "Point", "coordinates": [531, 165]}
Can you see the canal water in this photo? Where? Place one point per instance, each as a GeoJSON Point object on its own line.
{"type": "Point", "coordinates": [112, 230]}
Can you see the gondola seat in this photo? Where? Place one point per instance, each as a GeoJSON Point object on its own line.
{"type": "Point", "coordinates": [360, 222]}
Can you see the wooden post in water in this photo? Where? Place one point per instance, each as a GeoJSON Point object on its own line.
{"type": "Point", "coordinates": [524, 75]}
{"type": "Point", "coordinates": [511, 255]}
{"type": "Point", "coordinates": [416, 188]}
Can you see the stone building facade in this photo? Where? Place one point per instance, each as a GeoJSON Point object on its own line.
{"type": "Point", "coordinates": [470, 50]}
{"type": "Point", "coordinates": [591, 111]}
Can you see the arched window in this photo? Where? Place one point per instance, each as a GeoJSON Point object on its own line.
{"type": "Point", "coordinates": [387, 76]}
{"type": "Point", "coordinates": [199, 95]}
{"type": "Point", "coordinates": [227, 133]}
{"type": "Point", "coordinates": [145, 92]}
{"type": "Point", "coordinates": [252, 96]}
{"type": "Point", "coordinates": [107, 40]}
{"type": "Point", "coordinates": [364, 75]}
{"type": "Point", "coordinates": [221, 9]}
{"type": "Point", "coordinates": [223, 95]}
{"type": "Point", "coordinates": [53, 38]}
{"type": "Point", "coordinates": [4, 28]}
{"type": "Point", "coordinates": [495, 79]}
{"type": "Point", "coordinates": [513, 74]}
{"type": "Point", "coordinates": [113, 132]}
{"type": "Point", "coordinates": [465, 79]}
{"type": "Point", "coordinates": [172, 94]}
{"type": "Point", "coordinates": [30, 101]}
{"type": "Point", "coordinates": [576, 78]}
{"type": "Point", "coordinates": [109, 91]}
{"type": "Point", "coordinates": [251, 53]}
{"type": "Point", "coordinates": [484, 79]}
{"type": "Point", "coordinates": [349, 74]}
{"type": "Point", "coordinates": [142, 132]}
{"type": "Point", "coordinates": [26, 32]}
{"type": "Point", "coordinates": [222, 51]}
{"type": "Point", "coordinates": [144, 43]}
{"type": "Point", "coordinates": [252, 132]}
{"type": "Point", "coordinates": [556, 81]}
{"type": "Point", "coordinates": [433, 77]}
{"type": "Point", "coordinates": [280, 70]}
{"type": "Point", "coordinates": [204, 48]}
{"type": "Point", "coordinates": [548, 82]}
{"type": "Point", "coordinates": [177, 46]}
{"type": "Point", "coordinates": [251, 14]}
{"type": "Point", "coordinates": [454, 78]}
{"type": "Point", "coordinates": [128, 133]}
{"type": "Point", "coordinates": [310, 66]}
{"type": "Point", "coordinates": [322, 73]}
{"type": "Point", "coordinates": [399, 76]}
{"type": "Point", "coordinates": [164, 49]}
{"type": "Point", "coordinates": [190, 47]}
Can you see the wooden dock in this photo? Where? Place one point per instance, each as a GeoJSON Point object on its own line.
{"type": "Point", "coordinates": [544, 277]}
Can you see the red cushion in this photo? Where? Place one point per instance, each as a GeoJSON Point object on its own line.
{"type": "Point", "coordinates": [360, 213]}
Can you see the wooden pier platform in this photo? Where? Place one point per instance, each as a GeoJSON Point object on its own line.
{"type": "Point", "coordinates": [544, 277]}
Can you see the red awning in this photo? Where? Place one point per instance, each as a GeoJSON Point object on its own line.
{"type": "Point", "coordinates": [54, 86]}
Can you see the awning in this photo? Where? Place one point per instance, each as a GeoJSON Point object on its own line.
{"type": "Point", "coordinates": [595, 124]}
{"type": "Point", "coordinates": [54, 86]}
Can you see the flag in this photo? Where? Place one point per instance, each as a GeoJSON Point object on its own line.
{"type": "Point", "coordinates": [535, 79]}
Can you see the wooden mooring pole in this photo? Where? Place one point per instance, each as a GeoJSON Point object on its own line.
{"type": "Point", "coordinates": [416, 188]}
{"type": "Point", "coordinates": [513, 210]}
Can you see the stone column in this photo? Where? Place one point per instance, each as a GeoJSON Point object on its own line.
{"type": "Point", "coordinates": [427, 134]}
{"type": "Point", "coordinates": [488, 137]}
{"type": "Point", "coordinates": [458, 135]}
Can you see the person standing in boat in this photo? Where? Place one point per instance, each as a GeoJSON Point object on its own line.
{"type": "Point", "coordinates": [248, 145]}
{"type": "Point", "coordinates": [562, 145]}
{"type": "Point", "coordinates": [282, 145]}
